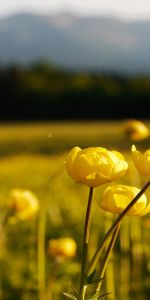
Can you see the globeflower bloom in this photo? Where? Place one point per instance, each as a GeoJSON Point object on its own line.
{"type": "Point", "coordinates": [141, 161]}
{"type": "Point", "coordinates": [64, 247]}
{"type": "Point", "coordinates": [136, 130]}
{"type": "Point", "coordinates": [24, 203]}
{"type": "Point", "coordinates": [95, 166]}
{"type": "Point", "coordinates": [117, 197]}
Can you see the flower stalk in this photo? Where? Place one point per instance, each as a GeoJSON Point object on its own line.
{"type": "Point", "coordinates": [85, 245]}
{"type": "Point", "coordinates": [106, 258]}
{"type": "Point", "coordinates": [41, 252]}
{"type": "Point", "coordinates": [6, 218]}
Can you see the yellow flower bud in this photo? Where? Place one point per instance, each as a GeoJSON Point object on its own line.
{"type": "Point", "coordinates": [117, 197]}
{"type": "Point", "coordinates": [95, 166]}
{"type": "Point", "coordinates": [136, 130]}
{"type": "Point", "coordinates": [64, 247]}
{"type": "Point", "coordinates": [24, 203]}
{"type": "Point", "coordinates": [141, 161]}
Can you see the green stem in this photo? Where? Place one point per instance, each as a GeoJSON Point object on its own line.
{"type": "Point", "coordinates": [4, 222]}
{"type": "Point", "coordinates": [41, 252]}
{"type": "Point", "coordinates": [85, 245]}
{"type": "Point", "coordinates": [106, 257]}
{"type": "Point", "coordinates": [41, 243]}
{"type": "Point", "coordinates": [97, 254]}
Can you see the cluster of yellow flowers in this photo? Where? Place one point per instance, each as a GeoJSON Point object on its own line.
{"type": "Point", "coordinates": [96, 166]}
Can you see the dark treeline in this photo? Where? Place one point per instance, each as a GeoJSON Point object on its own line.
{"type": "Point", "coordinates": [43, 92]}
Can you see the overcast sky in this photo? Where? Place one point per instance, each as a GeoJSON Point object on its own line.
{"type": "Point", "coordinates": [127, 9]}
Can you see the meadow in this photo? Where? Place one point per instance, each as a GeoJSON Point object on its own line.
{"type": "Point", "coordinates": [32, 157]}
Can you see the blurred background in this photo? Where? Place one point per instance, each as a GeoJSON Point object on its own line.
{"type": "Point", "coordinates": [72, 73]}
{"type": "Point", "coordinates": [65, 60]}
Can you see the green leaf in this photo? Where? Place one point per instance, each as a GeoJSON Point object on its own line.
{"type": "Point", "coordinates": [98, 296]}
{"type": "Point", "coordinates": [96, 281]}
{"type": "Point", "coordinates": [74, 291]}
{"type": "Point", "coordinates": [103, 295]}
{"type": "Point", "coordinates": [70, 296]}
{"type": "Point", "coordinates": [90, 278]}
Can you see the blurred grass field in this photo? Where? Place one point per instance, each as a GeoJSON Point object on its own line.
{"type": "Point", "coordinates": [56, 137]}
{"type": "Point", "coordinates": [32, 157]}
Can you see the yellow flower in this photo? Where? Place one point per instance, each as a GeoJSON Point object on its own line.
{"type": "Point", "coordinates": [136, 130]}
{"type": "Point", "coordinates": [64, 247]}
{"type": "Point", "coordinates": [117, 197]}
{"type": "Point", "coordinates": [95, 166]}
{"type": "Point", "coordinates": [142, 161]}
{"type": "Point", "coordinates": [24, 203]}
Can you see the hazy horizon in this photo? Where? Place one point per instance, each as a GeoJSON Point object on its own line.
{"type": "Point", "coordinates": [127, 11]}
{"type": "Point", "coordinates": [76, 14]}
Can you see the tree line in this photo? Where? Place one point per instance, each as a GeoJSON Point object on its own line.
{"type": "Point", "coordinates": [44, 92]}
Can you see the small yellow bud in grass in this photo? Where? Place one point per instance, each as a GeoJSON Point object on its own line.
{"type": "Point", "coordinates": [62, 247]}
{"type": "Point", "coordinates": [24, 203]}
{"type": "Point", "coordinates": [136, 130]}
{"type": "Point", "coordinates": [95, 166]}
{"type": "Point", "coordinates": [117, 197]}
{"type": "Point", "coordinates": [141, 161]}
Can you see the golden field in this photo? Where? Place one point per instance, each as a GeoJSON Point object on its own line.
{"type": "Point", "coordinates": [32, 157]}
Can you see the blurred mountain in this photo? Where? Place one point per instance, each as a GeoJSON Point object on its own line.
{"type": "Point", "coordinates": [96, 43]}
